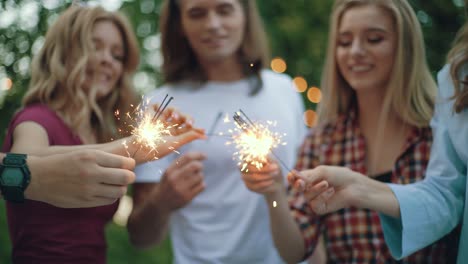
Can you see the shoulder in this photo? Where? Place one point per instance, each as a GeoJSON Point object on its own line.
{"type": "Point", "coordinates": [268, 75]}
{"type": "Point", "coordinates": [38, 113]}
{"type": "Point", "coordinates": [444, 80]}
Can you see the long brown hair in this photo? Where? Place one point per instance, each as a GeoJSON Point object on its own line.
{"type": "Point", "coordinates": [411, 89]}
{"type": "Point", "coordinates": [180, 62]}
{"type": "Point", "coordinates": [58, 71]}
{"type": "Point", "coordinates": [458, 57]}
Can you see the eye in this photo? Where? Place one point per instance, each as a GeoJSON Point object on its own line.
{"type": "Point", "coordinates": [196, 13]}
{"type": "Point", "coordinates": [225, 9]}
{"type": "Point", "coordinates": [118, 56]}
{"type": "Point", "coordinates": [97, 45]}
{"type": "Point", "coordinates": [374, 39]}
{"type": "Point", "coordinates": [344, 41]}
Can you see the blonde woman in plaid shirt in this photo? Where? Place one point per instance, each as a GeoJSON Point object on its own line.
{"type": "Point", "coordinates": [415, 215]}
{"type": "Point", "coordinates": [374, 119]}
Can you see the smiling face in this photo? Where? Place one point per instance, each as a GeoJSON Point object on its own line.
{"type": "Point", "coordinates": [366, 47]}
{"type": "Point", "coordinates": [106, 66]}
{"type": "Point", "coordinates": [213, 28]}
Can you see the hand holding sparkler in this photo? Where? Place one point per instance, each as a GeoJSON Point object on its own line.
{"type": "Point", "coordinates": [264, 180]}
{"type": "Point", "coordinates": [159, 133]}
{"type": "Point", "coordinates": [330, 188]}
{"type": "Point", "coordinates": [154, 139]}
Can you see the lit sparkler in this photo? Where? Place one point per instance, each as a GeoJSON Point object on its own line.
{"type": "Point", "coordinates": [255, 142]}
{"type": "Point", "coordinates": [151, 131]}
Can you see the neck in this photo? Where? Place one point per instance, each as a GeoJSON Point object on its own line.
{"type": "Point", "coordinates": [226, 70]}
{"type": "Point", "coordinates": [370, 106]}
{"type": "Point", "coordinates": [385, 133]}
{"type": "Point", "coordinates": [371, 113]}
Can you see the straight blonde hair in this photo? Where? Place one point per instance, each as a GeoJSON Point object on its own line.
{"type": "Point", "coordinates": [411, 90]}
{"type": "Point", "coordinates": [58, 71]}
{"type": "Point", "coordinates": [458, 57]}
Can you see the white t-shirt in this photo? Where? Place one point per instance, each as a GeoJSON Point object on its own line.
{"type": "Point", "coordinates": [227, 223]}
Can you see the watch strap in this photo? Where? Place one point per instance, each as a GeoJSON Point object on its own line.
{"type": "Point", "coordinates": [13, 194]}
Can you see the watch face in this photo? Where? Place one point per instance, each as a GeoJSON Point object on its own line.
{"type": "Point", "coordinates": [12, 177]}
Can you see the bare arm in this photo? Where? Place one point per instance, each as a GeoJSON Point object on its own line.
{"type": "Point", "coordinates": [148, 222]}
{"type": "Point", "coordinates": [154, 202]}
{"type": "Point", "coordinates": [34, 140]}
{"type": "Point", "coordinates": [286, 234]}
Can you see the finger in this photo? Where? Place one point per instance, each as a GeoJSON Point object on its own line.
{"type": "Point", "coordinates": [292, 177]}
{"type": "Point", "coordinates": [114, 176]}
{"type": "Point", "coordinates": [186, 137]}
{"type": "Point", "coordinates": [320, 204]}
{"type": "Point", "coordinates": [299, 185]}
{"type": "Point", "coordinates": [256, 177]}
{"type": "Point", "coordinates": [197, 189]}
{"type": "Point", "coordinates": [110, 191]}
{"type": "Point", "coordinates": [109, 160]}
{"type": "Point", "coordinates": [313, 176]}
{"type": "Point", "coordinates": [267, 168]}
{"type": "Point", "coordinates": [312, 192]}
{"type": "Point", "coordinates": [191, 168]}
{"type": "Point", "coordinates": [261, 187]}
{"type": "Point", "coordinates": [195, 180]}
{"type": "Point", "coordinates": [184, 159]}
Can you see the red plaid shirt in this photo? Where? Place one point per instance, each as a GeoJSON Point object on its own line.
{"type": "Point", "coordinates": [355, 235]}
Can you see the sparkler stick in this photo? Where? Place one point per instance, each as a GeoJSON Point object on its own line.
{"type": "Point", "coordinates": [249, 125]}
{"type": "Point", "coordinates": [159, 111]}
{"type": "Point", "coordinates": [215, 124]}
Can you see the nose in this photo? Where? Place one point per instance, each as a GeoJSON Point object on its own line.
{"type": "Point", "coordinates": [213, 21]}
{"type": "Point", "coordinates": [357, 48]}
{"type": "Point", "coordinates": [104, 56]}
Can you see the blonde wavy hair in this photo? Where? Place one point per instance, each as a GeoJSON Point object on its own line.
{"type": "Point", "coordinates": [411, 90]}
{"type": "Point", "coordinates": [180, 62]}
{"type": "Point", "coordinates": [58, 71]}
{"type": "Point", "coordinates": [458, 57]}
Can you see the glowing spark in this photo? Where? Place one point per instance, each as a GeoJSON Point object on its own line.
{"type": "Point", "coordinates": [274, 204]}
{"type": "Point", "coordinates": [254, 142]}
{"type": "Point", "coordinates": [151, 133]}
{"type": "Point", "coordinates": [226, 118]}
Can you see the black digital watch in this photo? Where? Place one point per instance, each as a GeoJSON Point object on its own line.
{"type": "Point", "coordinates": [14, 177]}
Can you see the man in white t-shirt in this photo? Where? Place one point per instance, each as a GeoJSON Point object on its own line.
{"type": "Point", "coordinates": [199, 194]}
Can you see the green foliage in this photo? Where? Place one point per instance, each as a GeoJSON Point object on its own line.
{"type": "Point", "coordinates": [298, 33]}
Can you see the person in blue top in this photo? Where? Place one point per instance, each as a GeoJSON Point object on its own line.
{"type": "Point", "coordinates": [414, 215]}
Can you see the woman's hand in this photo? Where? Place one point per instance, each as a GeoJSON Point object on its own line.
{"type": "Point", "coordinates": [327, 188]}
{"type": "Point", "coordinates": [265, 180]}
{"type": "Point", "coordinates": [175, 128]}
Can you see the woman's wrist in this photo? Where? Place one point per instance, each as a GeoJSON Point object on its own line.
{"type": "Point", "coordinates": [375, 195]}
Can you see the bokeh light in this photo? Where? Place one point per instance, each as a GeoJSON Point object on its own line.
{"type": "Point", "coordinates": [6, 84]}
{"type": "Point", "coordinates": [300, 84]}
{"type": "Point", "coordinates": [314, 95]}
{"type": "Point", "coordinates": [278, 65]}
{"type": "Point", "coordinates": [310, 118]}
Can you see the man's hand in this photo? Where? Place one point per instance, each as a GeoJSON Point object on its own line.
{"type": "Point", "coordinates": [182, 181]}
